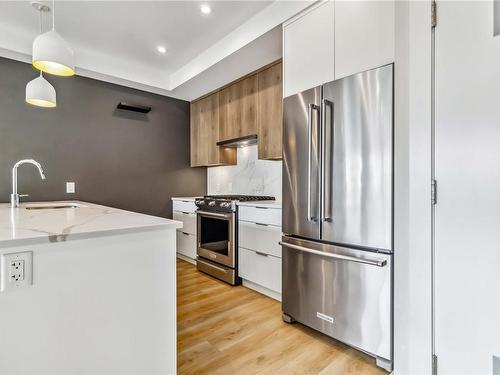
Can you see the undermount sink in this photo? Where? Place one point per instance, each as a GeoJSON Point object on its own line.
{"type": "Point", "coordinates": [52, 205]}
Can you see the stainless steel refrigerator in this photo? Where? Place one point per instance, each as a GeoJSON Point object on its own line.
{"type": "Point", "coordinates": [338, 210]}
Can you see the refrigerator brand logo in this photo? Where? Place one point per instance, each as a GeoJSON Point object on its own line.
{"type": "Point", "coordinates": [324, 317]}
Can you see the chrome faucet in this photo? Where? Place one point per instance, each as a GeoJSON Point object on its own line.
{"type": "Point", "coordinates": [14, 197]}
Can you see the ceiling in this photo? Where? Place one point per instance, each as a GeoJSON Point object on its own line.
{"type": "Point", "coordinates": [119, 38]}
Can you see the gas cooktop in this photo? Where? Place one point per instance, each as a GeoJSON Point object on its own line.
{"type": "Point", "coordinates": [241, 198]}
{"type": "Point", "coordinates": [227, 202]}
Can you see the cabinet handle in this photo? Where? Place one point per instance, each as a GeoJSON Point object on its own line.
{"type": "Point", "coordinates": [264, 225]}
{"type": "Point", "coordinates": [186, 233]}
{"type": "Point", "coordinates": [262, 208]}
{"type": "Point", "coordinates": [261, 254]}
{"type": "Point", "coordinates": [185, 213]}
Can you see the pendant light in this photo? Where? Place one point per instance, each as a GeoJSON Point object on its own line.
{"type": "Point", "coordinates": [39, 91]}
{"type": "Point", "coordinates": [51, 53]}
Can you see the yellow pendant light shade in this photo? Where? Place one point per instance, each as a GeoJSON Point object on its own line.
{"type": "Point", "coordinates": [41, 93]}
{"type": "Point", "coordinates": [51, 54]}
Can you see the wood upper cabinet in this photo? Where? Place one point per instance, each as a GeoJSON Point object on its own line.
{"type": "Point", "coordinates": [238, 108]}
{"type": "Point", "coordinates": [205, 134]}
{"type": "Point", "coordinates": [270, 113]}
{"type": "Point", "coordinates": [252, 105]}
{"type": "Point", "coordinates": [198, 153]}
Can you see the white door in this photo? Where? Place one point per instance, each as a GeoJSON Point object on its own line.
{"type": "Point", "coordinates": [467, 226]}
{"type": "Point", "coordinates": [308, 49]}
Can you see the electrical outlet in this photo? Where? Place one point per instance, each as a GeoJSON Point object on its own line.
{"type": "Point", "coordinates": [70, 187]}
{"type": "Point", "coordinates": [16, 270]}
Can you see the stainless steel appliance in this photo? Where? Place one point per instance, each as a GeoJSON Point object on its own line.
{"type": "Point", "coordinates": [217, 235]}
{"type": "Point", "coordinates": [338, 210]}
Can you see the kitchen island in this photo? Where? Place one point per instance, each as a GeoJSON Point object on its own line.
{"type": "Point", "coordinates": [96, 293]}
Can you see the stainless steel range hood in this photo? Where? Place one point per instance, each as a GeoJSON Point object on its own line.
{"type": "Point", "coordinates": [247, 140]}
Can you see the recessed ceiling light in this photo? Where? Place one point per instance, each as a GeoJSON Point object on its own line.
{"type": "Point", "coordinates": [205, 9]}
{"type": "Point", "coordinates": [161, 49]}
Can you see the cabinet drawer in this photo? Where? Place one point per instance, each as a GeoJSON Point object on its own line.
{"type": "Point", "coordinates": [262, 215]}
{"type": "Point", "coordinates": [188, 219]}
{"type": "Point", "coordinates": [263, 238]}
{"type": "Point", "coordinates": [186, 244]}
{"type": "Point", "coordinates": [185, 206]}
{"type": "Point", "coordinates": [264, 270]}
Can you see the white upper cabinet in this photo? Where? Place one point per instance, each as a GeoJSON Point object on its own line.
{"type": "Point", "coordinates": [335, 39]}
{"type": "Point", "coordinates": [308, 49]}
{"type": "Point", "coordinates": [364, 36]}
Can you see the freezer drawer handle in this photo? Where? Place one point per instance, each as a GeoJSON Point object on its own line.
{"type": "Point", "coordinates": [372, 262]}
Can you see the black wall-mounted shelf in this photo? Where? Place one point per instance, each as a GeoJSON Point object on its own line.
{"type": "Point", "coordinates": [133, 107]}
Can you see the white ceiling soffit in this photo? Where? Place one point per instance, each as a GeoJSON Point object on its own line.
{"type": "Point", "coordinates": [259, 52]}
{"type": "Point", "coordinates": [241, 36]}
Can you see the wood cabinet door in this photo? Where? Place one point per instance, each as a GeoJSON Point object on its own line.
{"type": "Point", "coordinates": [248, 88]}
{"type": "Point", "coordinates": [238, 109]}
{"type": "Point", "coordinates": [229, 115]}
{"type": "Point", "coordinates": [205, 134]}
{"type": "Point", "coordinates": [270, 113]}
{"type": "Point", "coordinates": [209, 121]}
{"type": "Point", "coordinates": [198, 153]}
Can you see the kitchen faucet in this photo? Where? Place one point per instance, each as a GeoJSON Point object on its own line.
{"type": "Point", "coordinates": [14, 197]}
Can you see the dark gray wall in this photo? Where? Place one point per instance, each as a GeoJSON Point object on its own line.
{"type": "Point", "coordinates": [121, 159]}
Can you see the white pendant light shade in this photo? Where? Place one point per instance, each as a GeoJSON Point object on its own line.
{"type": "Point", "coordinates": [41, 93]}
{"type": "Point", "coordinates": [51, 54]}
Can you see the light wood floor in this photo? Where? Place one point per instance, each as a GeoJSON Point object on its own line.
{"type": "Point", "coordinates": [234, 330]}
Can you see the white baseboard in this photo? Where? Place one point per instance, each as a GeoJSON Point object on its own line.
{"type": "Point", "coordinates": [263, 290]}
{"type": "Point", "coordinates": [185, 258]}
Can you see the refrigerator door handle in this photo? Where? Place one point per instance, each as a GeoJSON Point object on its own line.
{"type": "Point", "coordinates": [326, 164]}
{"type": "Point", "coordinates": [312, 108]}
{"type": "Point", "coordinates": [371, 262]}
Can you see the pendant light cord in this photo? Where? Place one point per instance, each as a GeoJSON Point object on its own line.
{"type": "Point", "coordinates": [41, 28]}
{"type": "Point", "coordinates": [53, 14]}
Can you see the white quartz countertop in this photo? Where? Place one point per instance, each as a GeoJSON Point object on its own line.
{"type": "Point", "coordinates": [21, 226]}
{"type": "Point", "coordinates": [268, 204]}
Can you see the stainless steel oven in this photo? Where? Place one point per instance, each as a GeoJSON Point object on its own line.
{"type": "Point", "coordinates": [216, 238]}
{"type": "Point", "coordinates": [217, 235]}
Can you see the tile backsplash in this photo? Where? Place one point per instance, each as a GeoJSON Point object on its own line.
{"type": "Point", "coordinates": [249, 176]}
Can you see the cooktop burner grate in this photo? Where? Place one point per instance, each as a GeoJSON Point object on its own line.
{"type": "Point", "coordinates": [241, 198]}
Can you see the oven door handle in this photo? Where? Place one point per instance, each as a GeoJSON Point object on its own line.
{"type": "Point", "coordinates": [214, 214]}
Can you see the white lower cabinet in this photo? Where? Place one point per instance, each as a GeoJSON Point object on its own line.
{"type": "Point", "coordinates": [185, 210]}
{"type": "Point", "coordinates": [188, 219]}
{"type": "Point", "coordinates": [261, 269]}
{"type": "Point", "coordinates": [260, 237]}
{"type": "Point", "coordinates": [259, 252]}
{"type": "Point", "coordinates": [186, 244]}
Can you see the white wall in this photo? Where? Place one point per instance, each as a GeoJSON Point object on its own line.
{"type": "Point", "coordinates": [97, 306]}
{"type": "Point", "coordinates": [413, 236]}
{"type": "Point", "coordinates": [468, 175]}
{"type": "Point", "coordinates": [249, 176]}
